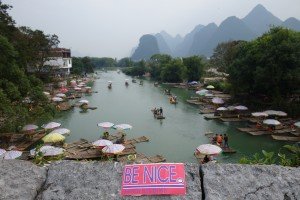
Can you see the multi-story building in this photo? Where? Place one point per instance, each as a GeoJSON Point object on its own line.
{"type": "Point", "coordinates": [60, 61]}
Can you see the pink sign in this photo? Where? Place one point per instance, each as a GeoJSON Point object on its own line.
{"type": "Point", "coordinates": [154, 179]}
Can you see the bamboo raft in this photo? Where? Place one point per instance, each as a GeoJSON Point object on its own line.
{"type": "Point", "coordinates": [286, 138]}
{"type": "Point", "coordinates": [231, 119]}
{"type": "Point", "coordinates": [195, 102]}
{"type": "Point", "coordinates": [159, 117]}
{"type": "Point", "coordinates": [20, 143]}
{"type": "Point", "coordinates": [208, 117]}
{"type": "Point", "coordinates": [251, 129]}
{"type": "Point", "coordinates": [207, 111]}
{"type": "Point", "coordinates": [266, 132]}
{"type": "Point", "coordinates": [141, 158]}
{"type": "Point", "coordinates": [137, 140]}
{"type": "Point", "coordinates": [224, 149]}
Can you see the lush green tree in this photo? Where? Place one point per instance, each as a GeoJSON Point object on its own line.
{"type": "Point", "coordinates": [125, 62]}
{"type": "Point", "coordinates": [193, 68]}
{"type": "Point", "coordinates": [269, 65]}
{"type": "Point", "coordinates": [103, 62]}
{"type": "Point", "coordinates": [224, 54]}
{"type": "Point", "coordinates": [157, 63]}
{"type": "Point", "coordinates": [138, 70]}
{"type": "Point", "coordinates": [173, 71]}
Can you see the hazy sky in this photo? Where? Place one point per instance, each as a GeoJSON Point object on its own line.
{"type": "Point", "coordinates": [113, 27]}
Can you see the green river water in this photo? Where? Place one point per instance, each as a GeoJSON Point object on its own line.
{"type": "Point", "coordinates": [175, 137]}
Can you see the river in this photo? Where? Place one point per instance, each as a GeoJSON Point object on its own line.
{"type": "Point", "coordinates": [175, 137]}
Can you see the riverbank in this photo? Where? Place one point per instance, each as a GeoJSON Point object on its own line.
{"type": "Point", "coordinates": [88, 180]}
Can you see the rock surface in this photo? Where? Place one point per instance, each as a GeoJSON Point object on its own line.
{"type": "Point", "coordinates": [101, 180]}
{"type": "Point", "coordinates": [232, 181]}
{"type": "Point", "coordinates": [20, 179]}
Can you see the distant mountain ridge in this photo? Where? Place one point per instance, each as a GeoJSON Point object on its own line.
{"type": "Point", "coordinates": [203, 39]}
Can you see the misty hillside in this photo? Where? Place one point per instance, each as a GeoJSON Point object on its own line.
{"type": "Point", "coordinates": [172, 42]}
{"type": "Point", "coordinates": [259, 20]}
{"type": "Point", "coordinates": [183, 48]}
{"type": "Point", "coordinates": [162, 45]}
{"type": "Point", "coordinates": [203, 39]}
{"type": "Point", "coordinates": [148, 46]}
{"type": "Point", "coordinates": [231, 29]}
{"type": "Point", "coordinates": [292, 23]}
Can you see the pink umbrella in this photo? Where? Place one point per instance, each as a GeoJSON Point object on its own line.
{"type": "Point", "coordinates": [30, 127]}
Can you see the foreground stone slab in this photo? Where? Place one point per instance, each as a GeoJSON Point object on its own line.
{"type": "Point", "coordinates": [101, 180]}
{"type": "Point", "coordinates": [20, 180]}
{"type": "Point", "coordinates": [232, 181]}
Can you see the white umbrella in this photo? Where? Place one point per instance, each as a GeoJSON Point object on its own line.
{"type": "Point", "coordinates": [231, 108]}
{"type": "Point", "coordinates": [87, 87]}
{"type": "Point", "coordinates": [275, 112]}
{"type": "Point", "coordinates": [202, 92]}
{"type": "Point", "coordinates": [46, 93]}
{"type": "Point", "coordinates": [271, 122]}
{"type": "Point", "coordinates": [51, 125]}
{"type": "Point", "coordinates": [210, 87]}
{"type": "Point", "coordinates": [217, 100]}
{"type": "Point", "coordinates": [209, 149]}
{"type": "Point", "coordinates": [2, 152]}
{"type": "Point", "coordinates": [123, 127]}
{"type": "Point", "coordinates": [102, 143]}
{"type": "Point", "coordinates": [57, 99]}
{"type": "Point", "coordinates": [60, 95]}
{"type": "Point", "coordinates": [222, 109]}
{"type": "Point", "coordinates": [113, 149]}
{"type": "Point", "coordinates": [259, 114]}
{"type": "Point", "coordinates": [83, 101]}
{"type": "Point", "coordinates": [77, 88]}
{"type": "Point", "coordinates": [241, 107]}
{"type": "Point", "coordinates": [62, 131]}
{"type": "Point", "coordinates": [105, 125]}
{"type": "Point", "coordinates": [29, 127]}
{"type": "Point", "coordinates": [209, 95]}
{"type": "Point", "coordinates": [109, 81]}
{"type": "Point", "coordinates": [48, 150]}
{"type": "Point", "coordinates": [12, 154]}
{"type": "Point", "coordinates": [297, 124]}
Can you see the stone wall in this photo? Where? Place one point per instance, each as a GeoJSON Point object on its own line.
{"type": "Point", "coordinates": [102, 180]}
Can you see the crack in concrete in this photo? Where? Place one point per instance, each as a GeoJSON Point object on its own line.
{"type": "Point", "coordinates": [201, 175]}
{"type": "Point", "coordinates": [259, 188]}
{"type": "Point", "coordinates": [42, 186]}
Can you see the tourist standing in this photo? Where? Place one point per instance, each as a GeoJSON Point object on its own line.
{"type": "Point", "coordinates": [226, 141]}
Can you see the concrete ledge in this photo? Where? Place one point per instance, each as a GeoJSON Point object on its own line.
{"type": "Point", "coordinates": [20, 179]}
{"type": "Point", "coordinates": [102, 180]}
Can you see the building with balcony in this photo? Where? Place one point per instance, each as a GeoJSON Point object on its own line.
{"type": "Point", "coordinates": [59, 62]}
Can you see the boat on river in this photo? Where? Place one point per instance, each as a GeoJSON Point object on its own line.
{"type": "Point", "coordinates": [224, 149]}
{"type": "Point", "coordinates": [173, 100]}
